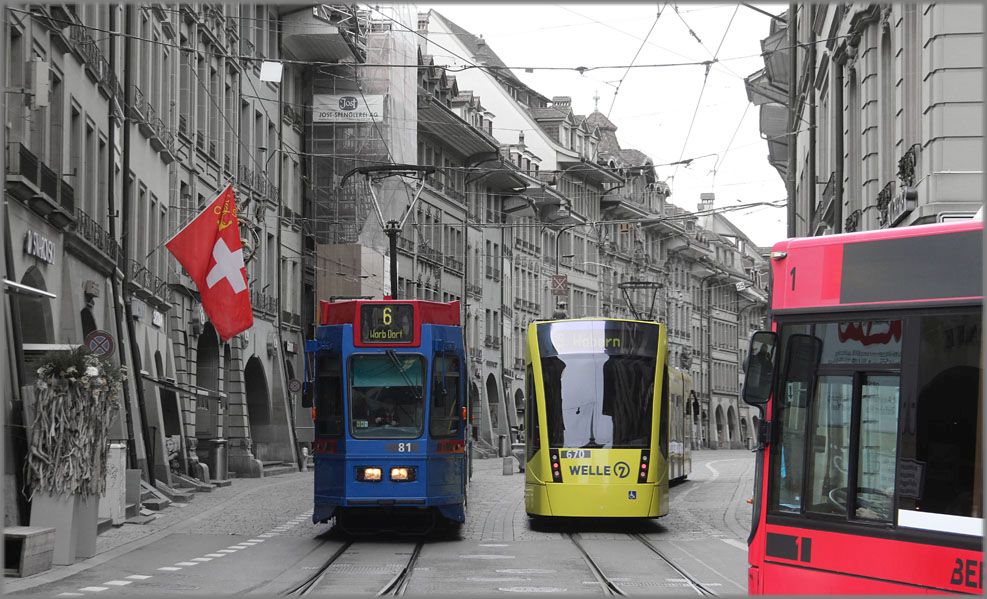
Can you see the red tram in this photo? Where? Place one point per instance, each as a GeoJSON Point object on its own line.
{"type": "Point", "coordinates": [869, 472]}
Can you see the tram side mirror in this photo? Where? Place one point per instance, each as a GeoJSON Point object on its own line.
{"type": "Point", "coordinates": [760, 373]}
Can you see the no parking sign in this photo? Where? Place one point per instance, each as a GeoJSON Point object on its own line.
{"type": "Point", "coordinates": [100, 343]}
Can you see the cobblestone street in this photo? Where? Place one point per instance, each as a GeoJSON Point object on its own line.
{"type": "Point", "coordinates": [709, 517]}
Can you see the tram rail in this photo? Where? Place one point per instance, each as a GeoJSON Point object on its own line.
{"type": "Point", "coordinates": [695, 584]}
{"type": "Point", "coordinates": [609, 586]}
{"type": "Point", "coordinates": [612, 588]}
{"type": "Point", "coordinates": [396, 586]}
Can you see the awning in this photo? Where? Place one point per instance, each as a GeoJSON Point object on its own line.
{"type": "Point", "coordinates": [438, 120]}
{"type": "Point", "coordinates": [590, 171]}
{"type": "Point", "coordinates": [170, 385]}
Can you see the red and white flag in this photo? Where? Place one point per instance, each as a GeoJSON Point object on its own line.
{"type": "Point", "coordinates": [209, 249]}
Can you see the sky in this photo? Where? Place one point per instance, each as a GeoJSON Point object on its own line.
{"type": "Point", "coordinates": [665, 112]}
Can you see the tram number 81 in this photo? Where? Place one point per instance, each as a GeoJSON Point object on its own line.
{"type": "Point", "coordinates": [401, 447]}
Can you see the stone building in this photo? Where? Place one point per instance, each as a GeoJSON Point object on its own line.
{"type": "Point", "coordinates": [171, 96]}
{"type": "Point", "coordinates": [890, 105]}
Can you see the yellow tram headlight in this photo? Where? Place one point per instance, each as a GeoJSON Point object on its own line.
{"type": "Point", "coordinates": [402, 473]}
{"type": "Point", "coordinates": [369, 474]}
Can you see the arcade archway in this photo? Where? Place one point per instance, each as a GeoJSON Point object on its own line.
{"type": "Point", "coordinates": [258, 407]}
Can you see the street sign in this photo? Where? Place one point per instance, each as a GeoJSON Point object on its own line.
{"type": "Point", "coordinates": [100, 343]}
{"type": "Point", "coordinates": [294, 385]}
{"type": "Point", "coordinates": [560, 284]}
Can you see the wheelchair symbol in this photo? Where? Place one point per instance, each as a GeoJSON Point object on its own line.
{"type": "Point", "coordinates": [632, 494]}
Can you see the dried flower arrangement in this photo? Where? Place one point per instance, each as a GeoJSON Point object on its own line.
{"type": "Point", "coordinates": [76, 401]}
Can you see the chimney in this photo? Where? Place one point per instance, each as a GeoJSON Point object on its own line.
{"type": "Point", "coordinates": [706, 201]}
{"type": "Point", "coordinates": [562, 101]}
{"type": "Point", "coordinates": [480, 42]}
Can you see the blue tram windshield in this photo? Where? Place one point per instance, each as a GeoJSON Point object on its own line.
{"type": "Point", "coordinates": [598, 381]}
{"type": "Point", "coordinates": [386, 396]}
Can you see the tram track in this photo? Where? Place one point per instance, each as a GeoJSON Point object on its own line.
{"type": "Point", "coordinates": [612, 588]}
{"type": "Point", "coordinates": [695, 584]}
{"type": "Point", "coordinates": [396, 586]}
{"type": "Point", "coordinates": [609, 586]}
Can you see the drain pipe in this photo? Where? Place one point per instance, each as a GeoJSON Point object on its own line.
{"type": "Point", "coordinates": [125, 214]}
{"type": "Point", "coordinates": [117, 274]}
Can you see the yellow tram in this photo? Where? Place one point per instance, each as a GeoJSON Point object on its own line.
{"type": "Point", "coordinates": [597, 442]}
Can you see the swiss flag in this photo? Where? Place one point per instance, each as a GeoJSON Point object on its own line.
{"type": "Point", "coordinates": [210, 250]}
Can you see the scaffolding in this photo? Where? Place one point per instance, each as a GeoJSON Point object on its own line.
{"type": "Point", "coordinates": [341, 213]}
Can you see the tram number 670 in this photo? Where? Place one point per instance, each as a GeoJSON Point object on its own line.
{"type": "Point", "coordinates": [575, 454]}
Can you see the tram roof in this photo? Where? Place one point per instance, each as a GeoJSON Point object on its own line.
{"type": "Point", "coordinates": [426, 312]}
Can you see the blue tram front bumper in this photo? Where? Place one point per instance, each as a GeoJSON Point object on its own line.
{"type": "Point", "coordinates": [439, 483]}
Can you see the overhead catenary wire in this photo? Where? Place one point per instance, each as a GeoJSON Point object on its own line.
{"type": "Point", "coordinates": [451, 68]}
{"type": "Point", "coordinates": [227, 122]}
{"type": "Point", "coordinates": [634, 59]}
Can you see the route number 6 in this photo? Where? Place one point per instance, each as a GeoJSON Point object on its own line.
{"type": "Point", "coordinates": [387, 316]}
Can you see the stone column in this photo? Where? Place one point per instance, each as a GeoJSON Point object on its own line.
{"type": "Point", "coordinates": [240, 458]}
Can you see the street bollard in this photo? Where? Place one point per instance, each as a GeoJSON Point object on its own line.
{"type": "Point", "coordinates": [509, 465]}
{"type": "Point", "coordinates": [503, 445]}
{"type": "Point", "coordinates": [217, 459]}
{"type": "Point", "coordinates": [304, 459]}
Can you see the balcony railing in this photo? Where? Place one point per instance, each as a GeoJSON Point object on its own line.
{"type": "Point", "coordinates": [246, 176]}
{"type": "Point", "coordinates": [474, 290]}
{"type": "Point", "coordinates": [906, 166]}
{"type": "Point", "coordinates": [454, 264]}
{"type": "Point", "coordinates": [148, 282]}
{"type": "Point", "coordinates": [488, 341]}
{"type": "Point", "coordinates": [97, 237]}
{"type": "Point", "coordinates": [36, 183]}
{"type": "Point", "coordinates": [852, 222]}
{"type": "Point", "coordinates": [97, 65]}
{"type": "Point", "coordinates": [884, 198]}
{"type": "Point", "coordinates": [430, 254]}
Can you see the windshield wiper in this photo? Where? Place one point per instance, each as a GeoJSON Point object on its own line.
{"type": "Point", "coordinates": [397, 364]}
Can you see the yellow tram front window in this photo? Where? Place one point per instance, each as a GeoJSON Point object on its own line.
{"type": "Point", "coordinates": [599, 382]}
{"type": "Point", "coordinates": [386, 396]}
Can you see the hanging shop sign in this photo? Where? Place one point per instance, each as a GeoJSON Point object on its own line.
{"type": "Point", "coordinates": [347, 108]}
{"type": "Point", "coordinates": [39, 246]}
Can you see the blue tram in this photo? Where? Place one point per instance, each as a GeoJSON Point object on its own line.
{"type": "Point", "coordinates": [385, 382]}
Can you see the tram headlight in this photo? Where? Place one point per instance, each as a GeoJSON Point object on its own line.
{"type": "Point", "coordinates": [369, 474]}
{"type": "Point", "coordinates": [403, 473]}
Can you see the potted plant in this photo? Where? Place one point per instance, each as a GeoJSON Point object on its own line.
{"type": "Point", "coordinates": [76, 399]}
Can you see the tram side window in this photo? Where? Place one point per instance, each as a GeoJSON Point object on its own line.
{"type": "Point", "coordinates": [663, 417]}
{"type": "Point", "coordinates": [532, 434]}
{"type": "Point", "coordinates": [444, 418]}
{"type": "Point", "coordinates": [939, 465]}
{"type": "Point", "coordinates": [790, 412]}
{"type": "Point", "coordinates": [329, 396]}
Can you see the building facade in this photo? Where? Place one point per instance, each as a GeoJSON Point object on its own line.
{"type": "Point", "coordinates": [889, 102]}
{"type": "Point", "coordinates": [171, 96]}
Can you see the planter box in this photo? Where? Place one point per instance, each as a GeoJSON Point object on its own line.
{"type": "Point", "coordinates": [27, 550]}
{"type": "Point", "coordinates": [74, 520]}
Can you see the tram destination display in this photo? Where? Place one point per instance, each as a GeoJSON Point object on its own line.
{"type": "Point", "coordinates": [387, 323]}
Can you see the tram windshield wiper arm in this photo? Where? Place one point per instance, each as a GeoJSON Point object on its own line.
{"type": "Point", "coordinates": [397, 364]}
